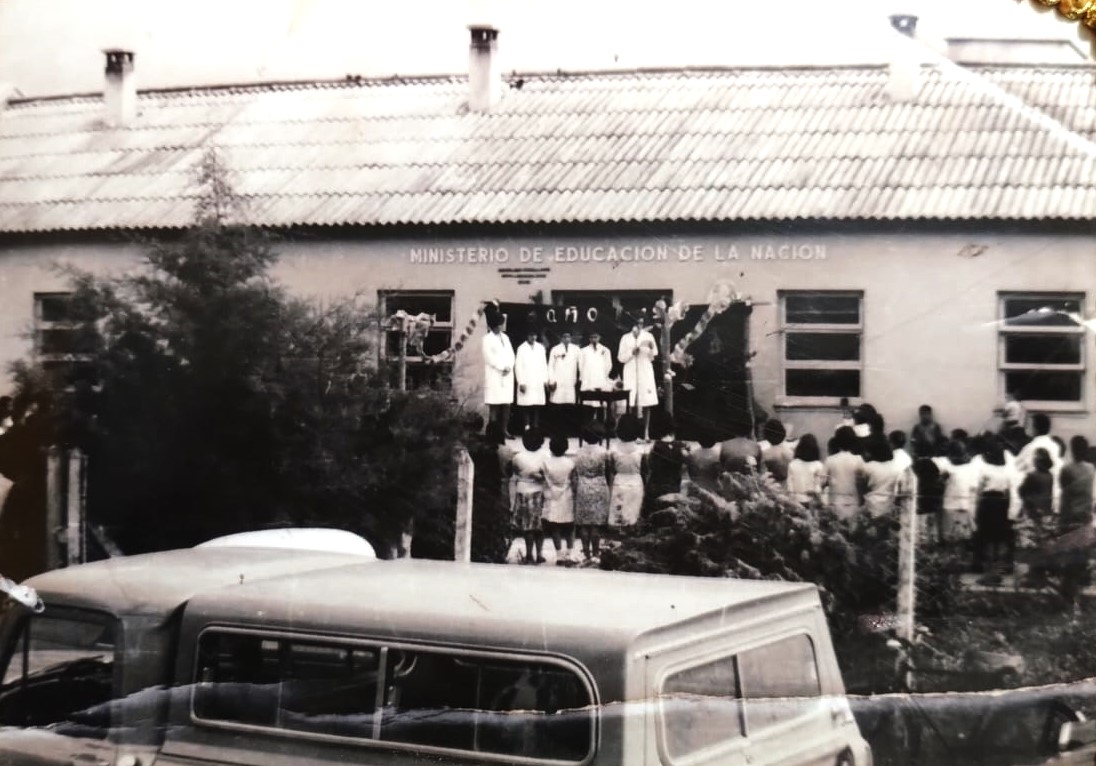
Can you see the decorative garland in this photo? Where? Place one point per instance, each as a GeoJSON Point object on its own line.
{"type": "Point", "coordinates": [449, 353]}
{"type": "Point", "coordinates": [720, 299]}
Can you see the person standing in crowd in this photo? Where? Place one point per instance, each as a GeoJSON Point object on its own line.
{"type": "Point", "coordinates": [1025, 461]}
{"type": "Point", "coordinates": [961, 476]}
{"type": "Point", "coordinates": [882, 479]}
{"type": "Point", "coordinates": [926, 437]}
{"type": "Point", "coordinates": [498, 371]}
{"type": "Point", "coordinates": [626, 467]}
{"type": "Point", "coordinates": [776, 453]}
{"type": "Point", "coordinates": [703, 464]}
{"type": "Point", "coordinates": [562, 382]}
{"type": "Point", "coordinates": [993, 520]}
{"type": "Point", "coordinates": [844, 470]}
{"type": "Point", "coordinates": [595, 364]}
{"type": "Point", "coordinates": [1074, 512]}
{"type": "Point", "coordinates": [847, 413]}
{"type": "Point", "coordinates": [862, 417]}
{"type": "Point", "coordinates": [1013, 414]}
{"type": "Point", "coordinates": [490, 493]}
{"type": "Point", "coordinates": [897, 441]}
{"type": "Point", "coordinates": [591, 489]}
{"type": "Point", "coordinates": [528, 510]}
{"type": "Point", "coordinates": [806, 474]}
{"type": "Point", "coordinates": [665, 462]}
{"type": "Point", "coordinates": [1036, 493]}
{"type": "Point", "coordinates": [740, 454]}
{"type": "Point", "coordinates": [637, 352]}
{"type": "Point", "coordinates": [531, 373]}
{"type": "Point", "coordinates": [559, 497]}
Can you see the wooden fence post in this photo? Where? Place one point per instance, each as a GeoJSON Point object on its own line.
{"type": "Point", "coordinates": [462, 528]}
{"type": "Point", "coordinates": [75, 508]}
{"type": "Point", "coordinates": [907, 567]}
{"type": "Point", "coordinates": [54, 507]}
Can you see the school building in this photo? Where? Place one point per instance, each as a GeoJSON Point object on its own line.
{"type": "Point", "coordinates": [913, 232]}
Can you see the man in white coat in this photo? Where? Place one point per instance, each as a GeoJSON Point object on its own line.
{"type": "Point", "coordinates": [637, 352]}
{"type": "Point", "coordinates": [563, 380]}
{"type": "Point", "coordinates": [498, 373]}
{"type": "Point", "coordinates": [595, 363]}
{"type": "Point", "coordinates": [531, 373]}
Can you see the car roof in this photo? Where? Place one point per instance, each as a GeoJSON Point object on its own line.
{"type": "Point", "coordinates": [298, 538]}
{"type": "Point", "coordinates": [159, 583]}
{"type": "Point", "coordinates": [518, 607]}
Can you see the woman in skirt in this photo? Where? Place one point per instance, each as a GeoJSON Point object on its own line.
{"type": "Point", "coordinates": [528, 472]}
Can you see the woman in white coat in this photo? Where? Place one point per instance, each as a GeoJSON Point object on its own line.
{"type": "Point", "coordinates": [562, 382]}
{"type": "Point", "coordinates": [637, 352]}
{"type": "Point", "coordinates": [531, 373]}
{"type": "Point", "coordinates": [498, 374]}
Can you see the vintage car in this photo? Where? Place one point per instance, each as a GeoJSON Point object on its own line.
{"type": "Point", "coordinates": [225, 655]}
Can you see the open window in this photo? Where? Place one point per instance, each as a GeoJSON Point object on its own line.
{"type": "Point", "coordinates": [60, 670]}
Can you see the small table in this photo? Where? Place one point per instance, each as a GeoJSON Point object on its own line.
{"type": "Point", "coordinates": [604, 399]}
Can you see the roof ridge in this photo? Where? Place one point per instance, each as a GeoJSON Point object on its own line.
{"type": "Point", "coordinates": [372, 81]}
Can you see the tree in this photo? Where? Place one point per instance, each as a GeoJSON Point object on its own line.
{"type": "Point", "coordinates": [211, 401]}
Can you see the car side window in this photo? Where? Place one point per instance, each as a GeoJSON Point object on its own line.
{"type": "Point", "coordinates": [701, 707]}
{"type": "Point", "coordinates": [410, 698]}
{"type": "Point", "coordinates": [780, 681]}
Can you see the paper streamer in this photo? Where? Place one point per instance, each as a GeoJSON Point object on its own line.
{"type": "Point", "coordinates": [449, 353]}
{"type": "Point", "coordinates": [720, 298]}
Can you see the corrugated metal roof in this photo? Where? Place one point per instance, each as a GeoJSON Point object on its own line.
{"type": "Point", "coordinates": [1006, 143]}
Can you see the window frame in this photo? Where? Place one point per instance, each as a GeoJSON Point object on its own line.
{"type": "Point", "coordinates": [415, 361]}
{"type": "Point", "coordinates": [54, 360]}
{"type": "Point", "coordinates": [1004, 332]}
{"type": "Point", "coordinates": [786, 328]}
{"type": "Point", "coordinates": [749, 731]}
{"type": "Point", "coordinates": [383, 647]}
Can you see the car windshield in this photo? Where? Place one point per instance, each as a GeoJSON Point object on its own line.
{"type": "Point", "coordinates": [58, 663]}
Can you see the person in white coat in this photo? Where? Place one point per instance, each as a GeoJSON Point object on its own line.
{"type": "Point", "coordinates": [595, 363]}
{"type": "Point", "coordinates": [637, 352]}
{"type": "Point", "coordinates": [498, 374]}
{"type": "Point", "coordinates": [563, 380]}
{"type": "Point", "coordinates": [531, 373]}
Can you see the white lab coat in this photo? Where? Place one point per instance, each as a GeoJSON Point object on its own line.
{"type": "Point", "coordinates": [531, 371]}
{"type": "Point", "coordinates": [638, 374]}
{"type": "Point", "coordinates": [563, 373]}
{"type": "Point", "coordinates": [594, 366]}
{"type": "Point", "coordinates": [498, 355]}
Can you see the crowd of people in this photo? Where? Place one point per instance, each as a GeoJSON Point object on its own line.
{"type": "Point", "coordinates": [981, 495]}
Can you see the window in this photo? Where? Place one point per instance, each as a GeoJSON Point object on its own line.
{"type": "Point", "coordinates": [439, 305]}
{"type": "Point", "coordinates": [60, 671]}
{"type": "Point", "coordinates": [62, 342]}
{"type": "Point", "coordinates": [822, 345]}
{"type": "Point", "coordinates": [406, 697]}
{"type": "Point", "coordinates": [1041, 347]}
{"type": "Point", "coordinates": [719, 702]}
{"type": "Point", "coordinates": [780, 681]}
{"type": "Point", "coordinates": [701, 707]}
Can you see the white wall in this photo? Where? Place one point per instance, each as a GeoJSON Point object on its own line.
{"type": "Point", "coordinates": [929, 305]}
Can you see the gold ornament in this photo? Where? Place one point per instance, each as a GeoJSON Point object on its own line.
{"type": "Point", "coordinates": [1074, 9]}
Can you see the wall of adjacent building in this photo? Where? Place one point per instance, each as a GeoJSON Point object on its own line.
{"type": "Point", "coordinates": [930, 300]}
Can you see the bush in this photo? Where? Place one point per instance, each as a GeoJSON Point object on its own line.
{"type": "Point", "coordinates": [212, 402]}
{"type": "Point", "coordinates": [752, 529]}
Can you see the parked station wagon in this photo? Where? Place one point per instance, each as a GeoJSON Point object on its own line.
{"type": "Point", "coordinates": [268, 657]}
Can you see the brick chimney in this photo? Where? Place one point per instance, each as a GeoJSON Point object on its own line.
{"type": "Point", "coordinates": [120, 89]}
{"type": "Point", "coordinates": [904, 68]}
{"type": "Point", "coordinates": [484, 70]}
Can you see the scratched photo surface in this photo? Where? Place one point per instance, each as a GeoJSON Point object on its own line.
{"type": "Point", "coordinates": [564, 383]}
